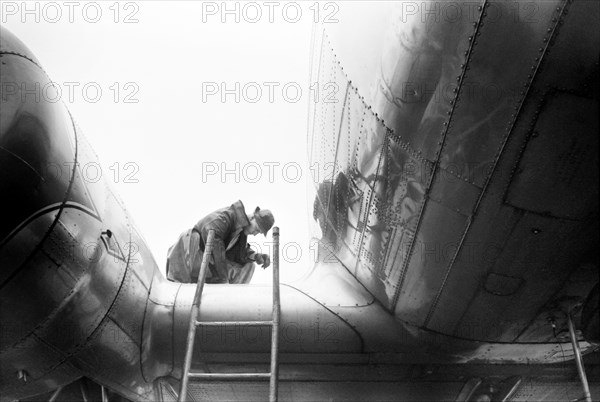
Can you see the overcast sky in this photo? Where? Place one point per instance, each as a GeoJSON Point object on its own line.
{"type": "Point", "coordinates": [162, 121]}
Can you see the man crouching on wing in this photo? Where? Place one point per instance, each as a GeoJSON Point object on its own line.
{"type": "Point", "coordinates": [233, 261]}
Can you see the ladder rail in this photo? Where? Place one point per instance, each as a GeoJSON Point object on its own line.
{"type": "Point", "coordinates": [587, 397]}
{"type": "Point", "coordinates": [273, 375]}
{"type": "Point", "coordinates": [189, 347]}
{"type": "Point", "coordinates": [274, 381]}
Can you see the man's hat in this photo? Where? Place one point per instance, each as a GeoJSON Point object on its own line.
{"type": "Point", "coordinates": [264, 219]}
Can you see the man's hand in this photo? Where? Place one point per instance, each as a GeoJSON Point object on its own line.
{"type": "Point", "coordinates": [263, 259]}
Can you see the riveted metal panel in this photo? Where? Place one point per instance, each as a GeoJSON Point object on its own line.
{"type": "Point", "coordinates": [397, 204]}
{"type": "Point", "coordinates": [359, 43]}
{"type": "Point", "coordinates": [127, 310]}
{"type": "Point", "coordinates": [454, 192]}
{"type": "Point", "coordinates": [558, 171]}
{"type": "Point", "coordinates": [489, 90]}
{"type": "Point", "coordinates": [329, 99]}
{"type": "Point", "coordinates": [363, 234]}
{"type": "Point", "coordinates": [571, 61]}
{"type": "Point", "coordinates": [477, 254]}
{"type": "Point", "coordinates": [430, 260]}
{"type": "Point", "coordinates": [40, 267]}
{"type": "Point", "coordinates": [404, 175]}
{"type": "Point", "coordinates": [51, 276]}
{"type": "Point", "coordinates": [306, 325]}
{"type": "Point", "coordinates": [41, 361]}
{"type": "Point", "coordinates": [422, 56]}
{"type": "Point", "coordinates": [367, 239]}
{"type": "Point", "coordinates": [157, 337]}
{"type": "Point", "coordinates": [20, 247]}
{"type": "Point", "coordinates": [83, 311]}
{"type": "Point", "coordinates": [540, 253]}
{"type": "Point", "coordinates": [141, 258]}
{"type": "Point", "coordinates": [481, 246]}
{"type": "Point", "coordinates": [73, 244]}
{"type": "Point", "coordinates": [111, 355]}
{"type": "Point", "coordinates": [35, 146]}
{"type": "Point", "coordinates": [576, 288]}
{"type": "Point", "coordinates": [88, 191]}
{"type": "Point", "coordinates": [55, 376]}
{"type": "Point", "coordinates": [372, 188]}
{"type": "Point", "coordinates": [79, 315]}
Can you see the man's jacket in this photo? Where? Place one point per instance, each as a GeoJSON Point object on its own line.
{"type": "Point", "coordinates": [230, 243]}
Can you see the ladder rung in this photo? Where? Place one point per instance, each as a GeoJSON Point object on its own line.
{"type": "Point", "coordinates": [231, 376]}
{"type": "Point", "coordinates": [244, 323]}
{"type": "Point", "coordinates": [273, 375]}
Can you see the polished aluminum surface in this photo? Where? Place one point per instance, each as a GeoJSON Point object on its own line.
{"type": "Point", "coordinates": [456, 166]}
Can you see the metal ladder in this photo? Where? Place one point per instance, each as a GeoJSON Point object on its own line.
{"type": "Point", "coordinates": [194, 322]}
